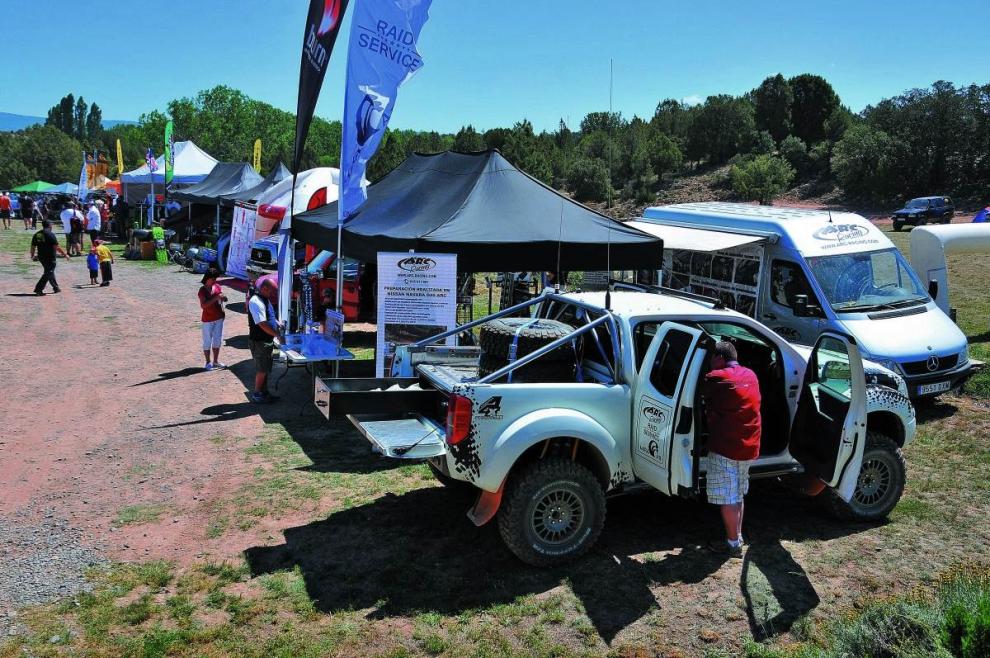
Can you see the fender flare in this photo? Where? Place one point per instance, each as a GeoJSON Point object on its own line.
{"type": "Point", "coordinates": [540, 425]}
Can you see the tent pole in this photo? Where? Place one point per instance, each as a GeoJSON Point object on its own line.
{"type": "Point", "coordinates": [218, 226]}
{"type": "Point", "coordinates": [340, 266]}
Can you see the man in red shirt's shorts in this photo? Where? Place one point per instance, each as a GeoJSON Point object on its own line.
{"type": "Point", "coordinates": [732, 405]}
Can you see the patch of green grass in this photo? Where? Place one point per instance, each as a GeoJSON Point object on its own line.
{"type": "Point", "coordinates": [141, 513]}
{"type": "Point", "coordinates": [916, 509]}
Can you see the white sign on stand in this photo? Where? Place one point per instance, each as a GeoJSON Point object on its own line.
{"type": "Point", "coordinates": [241, 239]}
{"type": "Point", "coordinates": [417, 298]}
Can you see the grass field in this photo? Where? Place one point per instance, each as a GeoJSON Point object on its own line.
{"type": "Point", "coordinates": [384, 563]}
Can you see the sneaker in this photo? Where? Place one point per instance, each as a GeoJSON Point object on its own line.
{"type": "Point", "coordinates": [39, 293]}
{"type": "Point", "coordinates": [104, 284]}
{"type": "Point", "coordinates": [208, 366]}
{"type": "Point", "coordinates": [259, 398]}
{"type": "Point", "coordinates": [219, 366]}
{"type": "Point", "coordinates": [721, 547]}
{"type": "Point", "coordinates": [56, 290]}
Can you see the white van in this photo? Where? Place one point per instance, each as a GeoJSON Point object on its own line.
{"type": "Point", "coordinates": [802, 272]}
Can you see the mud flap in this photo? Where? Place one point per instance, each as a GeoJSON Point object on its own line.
{"type": "Point", "coordinates": [486, 507]}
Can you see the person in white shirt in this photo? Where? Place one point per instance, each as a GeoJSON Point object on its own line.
{"type": "Point", "coordinates": [262, 331]}
{"type": "Point", "coordinates": [73, 234]}
{"type": "Point", "coordinates": [93, 223]}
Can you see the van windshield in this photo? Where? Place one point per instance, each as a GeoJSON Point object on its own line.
{"type": "Point", "coordinates": [867, 281]}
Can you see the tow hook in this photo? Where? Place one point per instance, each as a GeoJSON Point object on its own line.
{"type": "Point", "coordinates": [486, 507]}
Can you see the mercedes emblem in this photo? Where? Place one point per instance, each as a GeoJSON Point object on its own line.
{"type": "Point", "coordinates": [932, 363]}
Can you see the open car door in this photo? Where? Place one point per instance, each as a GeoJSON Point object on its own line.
{"type": "Point", "coordinates": [660, 437]}
{"type": "Point", "coordinates": [829, 432]}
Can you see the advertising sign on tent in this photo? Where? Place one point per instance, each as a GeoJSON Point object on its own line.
{"type": "Point", "coordinates": [241, 237]}
{"type": "Point", "coordinates": [322, 25]}
{"type": "Point", "coordinates": [417, 298]}
{"type": "Point", "coordinates": [382, 55]}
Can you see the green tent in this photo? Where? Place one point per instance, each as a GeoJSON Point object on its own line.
{"type": "Point", "coordinates": [36, 186]}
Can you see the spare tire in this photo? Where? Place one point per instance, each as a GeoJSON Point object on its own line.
{"type": "Point", "coordinates": [497, 336]}
{"type": "Point", "coordinates": [539, 371]}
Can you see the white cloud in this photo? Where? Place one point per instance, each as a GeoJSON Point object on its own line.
{"type": "Point", "coordinates": [693, 99]}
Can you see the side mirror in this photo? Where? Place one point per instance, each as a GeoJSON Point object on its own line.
{"type": "Point", "coordinates": [933, 288]}
{"type": "Point", "coordinates": [836, 370]}
{"type": "Point", "coordinates": [801, 306]}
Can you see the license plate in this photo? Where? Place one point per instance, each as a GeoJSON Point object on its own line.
{"type": "Point", "coordinates": [937, 387]}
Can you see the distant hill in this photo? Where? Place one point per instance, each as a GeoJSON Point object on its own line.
{"type": "Point", "coordinates": [11, 122]}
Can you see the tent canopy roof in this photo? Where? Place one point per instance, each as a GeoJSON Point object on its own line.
{"type": "Point", "coordinates": [494, 216]}
{"type": "Point", "coordinates": [65, 188]}
{"type": "Point", "coordinates": [192, 164]}
{"type": "Point", "coordinates": [35, 186]}
{"type": "Point", "coordinates": [276, 175]}
{"type": "Point", "coordinates": [225, 178]}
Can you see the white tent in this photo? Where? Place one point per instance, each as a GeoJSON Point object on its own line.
{"type": "Point", "coordinates": [192, 164]}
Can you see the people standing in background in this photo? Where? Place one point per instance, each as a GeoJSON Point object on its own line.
{"type": "Point", "coordinates": [67, 215]}
{"type": "Point", "coordinates": [44, 246]}
{"type": "Point", "coordinates": [211, 300]}
{"type": "Point", "coordinates": [5, 209]}
{"type": "Point", "coordinates": [93, 223]}
{"type": "Point", "coordinates": [120, 214]}
{"type": "Point", "coordinates": [105, 257]}
{"type": "Point", "coordinates": [262, 331]}
{"type": "Point", "coordinates": [104, 209]}
{"type": "Point", "coordinates": [27, 211]}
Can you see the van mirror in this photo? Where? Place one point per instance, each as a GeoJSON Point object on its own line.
{"type": "Point", "coordinates": [802, 309]}
{"type": "Point", "coordinates": [933, 288]}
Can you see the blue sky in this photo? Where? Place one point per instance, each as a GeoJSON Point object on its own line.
{"type": "Point", "coordinates": [492, 62]}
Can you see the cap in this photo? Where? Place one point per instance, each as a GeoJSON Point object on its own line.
{"type": "Point", "coordinates": [268, 279]}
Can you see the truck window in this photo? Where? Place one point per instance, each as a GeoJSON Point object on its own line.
{"type": "Point", "coordinates": [643, 336]}
{"type": "Point", "coordinates": [788, 281]}
{"type": "Point", "coordinates": [669, 363]}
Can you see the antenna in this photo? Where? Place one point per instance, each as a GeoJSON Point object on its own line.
{"type": "Point", "coordinates": [608, 245]}
{"type": "Point", "coordinates": [560, 238]}
{"type": "Point", "coordinates": [829, 215]}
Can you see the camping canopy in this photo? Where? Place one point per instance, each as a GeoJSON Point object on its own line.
{"type": "Point", "coordinates": [192, 164]}
{"type": "Point", "coordinates": [276, 175]}
{"type": "Point", "coordinates": [64, 188]}
{"type": "Point", "coordinates": [226, 178]}
{"type": "Point", "coordinates": [493, 216]}
{"type": "Point", "coordinates": [36, 186]}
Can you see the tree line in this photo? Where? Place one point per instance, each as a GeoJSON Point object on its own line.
{"type": "Point", "coordinates": [785, 132]}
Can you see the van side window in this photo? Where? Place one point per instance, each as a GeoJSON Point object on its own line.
{"type": "Point", "coordinates": [669, 362]}
{"type": "Point", "coordinates": [786, 282]}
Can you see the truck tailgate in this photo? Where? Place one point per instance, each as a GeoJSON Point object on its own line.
{"type": "Point", "coordinates": [408, 436]}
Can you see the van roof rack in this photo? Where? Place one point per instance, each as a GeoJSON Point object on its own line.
{"type": "Point", "coordinates": [664, 290]}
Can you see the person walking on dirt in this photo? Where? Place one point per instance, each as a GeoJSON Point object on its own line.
{"type": "Point", "coordinates": [211, 300]}
{"type": "Point", "coordinates": [262, 330]}
{"type": "Point", "coordinates": [732, 404]}
{"type": "Point", "coordinates": [5, 209]}
{"type": "Point", "coordinates": [44, 246]}
{"type": "Point", "coordinates": [105, 257]}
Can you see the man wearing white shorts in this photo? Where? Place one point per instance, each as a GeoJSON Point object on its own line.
{"type": "Point", "coordinates": [732, 407]}
{"type": "Point", "coordinates": [211, 300]}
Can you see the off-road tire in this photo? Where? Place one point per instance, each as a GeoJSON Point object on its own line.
{"type": "Point", "coordinates": [538, 371]}
{"type": "Point", "coordinates": [552, 486]}
{"type": "Point", "coordinates": [496, 338]}
{"type": "Point", "coordinates": [898, 226]}
{"type": "Point", "coordinates": [884, 467]}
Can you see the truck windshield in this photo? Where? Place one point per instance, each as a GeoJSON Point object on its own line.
{"type": "Point", "coordinates": [918, 203]}
{"type": "Point", "coordinates": [867, 281]}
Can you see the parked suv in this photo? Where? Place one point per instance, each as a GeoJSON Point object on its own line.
{"type": "Point", "coordinates": [921, 211]}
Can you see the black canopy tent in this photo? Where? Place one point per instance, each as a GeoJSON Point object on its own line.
{"type": "Point", "coordinates": [226, 178]}
{"type": "Point", "coordinates": [276, 175]}
{"type": "Point", "coordinates": [495, 217]}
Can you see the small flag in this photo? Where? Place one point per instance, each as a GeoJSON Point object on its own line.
{"type": "Point", "coordinates": [169, 153]}
{"type": "Point", "coordinates": [120, 160]}
{"type": "Point", "coordinates": [149, 158]}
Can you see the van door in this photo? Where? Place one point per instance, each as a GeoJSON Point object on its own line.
{"type": "Point", "coordinates": [829, 432]}
{"type": "Point", "coordinates": [787, 280]}
{"type": "Point", "coordinates": [659, 385]}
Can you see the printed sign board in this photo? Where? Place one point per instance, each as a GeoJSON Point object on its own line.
{"type": "Point", "coordinates": [732, 276]}
{"type": "Point", "coordinates": [241, 238]}
{"type": "Point", "coordinates": [417, 298]}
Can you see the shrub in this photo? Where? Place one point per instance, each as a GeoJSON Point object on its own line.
{"type": "Point", "coordinates": [976, 641]}
{"type": "Point", "coordinates": [761, 179]}
{"type": "Point", "coordinates": [588, 178]}
{"type": "Point", "coordinates": [891, 629]}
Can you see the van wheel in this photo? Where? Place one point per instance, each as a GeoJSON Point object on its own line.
{"type": "Point", "coordinates": [553, 512]}
{"type": "Point", "coordinates": [880, 483]}
{"type": "Point", "coordinates": [898, 226]}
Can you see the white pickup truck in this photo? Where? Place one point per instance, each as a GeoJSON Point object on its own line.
{"type": "Point", "coordinates": [612, 401]}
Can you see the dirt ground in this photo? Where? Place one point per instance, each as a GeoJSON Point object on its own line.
{"type": "Point", "coordinates": [117, 446]}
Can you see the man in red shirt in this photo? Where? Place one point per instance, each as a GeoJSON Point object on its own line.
{"type": "Point", "coordinates": [732, 405]}
{"type": "Point", "coordinates": [211, 300]}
